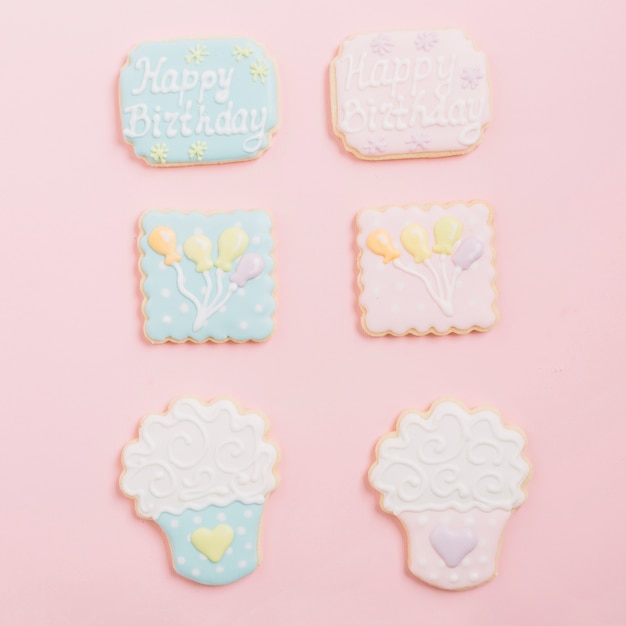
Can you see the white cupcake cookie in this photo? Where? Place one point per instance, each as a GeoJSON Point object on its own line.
{"type": "Point", "coordinates": [452, 476]}
{"type": "Point", "coordinates": [203, 473]}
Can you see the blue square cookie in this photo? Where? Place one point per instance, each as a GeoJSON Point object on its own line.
{"type": "Point", "coordinates": [207, 277]}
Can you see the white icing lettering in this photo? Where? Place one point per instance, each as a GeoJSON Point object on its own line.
{"type": "Point", "coordinates": [399, 76]}
{"type": "Point", "coordinates": [138, 114]}
{"type": "Point", "coordinates": [171, 117]}
{"type": "Point", "coordinates": [169, 82]}
{"type": "Point", "coordinates": [352, 110]}
{"type": "Point", "coordinates": [253, 144]}
{"type": "Point", "coordinates": [224, 81]}
{"type": "Point", "coordinates": [148, 75]}
{"type": "Point", "coordinates": [222, 121]}
{"type": "Point", "coordinates": [184, 118]}
{"type": "Point", "coordinates": [188, 82]}
{"type": "Point", "coordinates": [207, 82]}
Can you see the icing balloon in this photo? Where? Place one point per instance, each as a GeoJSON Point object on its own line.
{"type": "Point", "coordinates": [198, 249]}
{"type": "Point", "coordinates": [163, 240]}
{"type": "Point", "coordinates": [447, 233]}
{"type": "Point", "coordinates": [250, 266]}
{"type": "Point", "coordinates": [470, 250]}
{"type": "Point", "coordinates": [231, 244]}
{"type": "Point", "coordinates": [379, 242]}
{"type": "Point", "coordinates": [415, 240]}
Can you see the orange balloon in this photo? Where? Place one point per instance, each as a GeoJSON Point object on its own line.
{"type": "Point", "coordinates": [380, 242]}
{"type": "Point", "coordinates": [163, 240]}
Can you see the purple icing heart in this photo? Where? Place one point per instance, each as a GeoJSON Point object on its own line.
{"type": "Point", "coordinates": [452, 545]}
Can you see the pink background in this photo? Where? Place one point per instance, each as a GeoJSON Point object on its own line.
{"type": "Point", "coordinates": [79, 375]}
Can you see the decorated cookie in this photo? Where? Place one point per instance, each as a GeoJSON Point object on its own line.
{"type": "Point", "coordinates": [203, 472]}
{"type": "Point", "coordinates": [207, 277]}
{"type": "Point", "coordinates": [198, 101]}
{"type": "Point", "coordinates": [426, 269]}
{"type": "Point", "coordinates": [409, 94]}
{"type": "Point", "coordinates": [452, 477]}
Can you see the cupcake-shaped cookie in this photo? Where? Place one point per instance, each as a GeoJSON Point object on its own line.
{"type": "Point", "coordinates": [203, 472]}
{"type": "Point", "coordinates": [453, 477]}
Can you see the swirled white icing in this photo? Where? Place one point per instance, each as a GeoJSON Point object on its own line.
{"type": "Point", "coordinates": [197, 455]}
{"type": "Point", "coordinates": [451, 459]}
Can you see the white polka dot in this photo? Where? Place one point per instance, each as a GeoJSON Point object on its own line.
{"type": "Point", "coordinates": [380, 267]}
{"type": "Point", "coordinates": [467, 561]}
{"type": "Point", "coordinates": [459, 283]}
{"type": "Point", "coordinates": [420, 307]}
{"type": "Point", "coordinates": [221, 517]}
{"type": "Point", "coordinates": [174, 523]}
{"type": "Point", "coordinates": [423, 561]}
{"type": "Point", "coordinates": [167, 319]}
{"type": "Point", "coordinates": [258, 308]}
{"type": "Point", "coordinates": [202, 557]}
{"type": "Point", "coordinates": [446, 519]}
{"type": "Point", "coordinates": [376, 291]}
{"type": "Point", "coordinates": [188, 537]}
{"type": "Point", "coordinates": [491, 521]}
{"type": "Point", "coordinates": [181, 560]}
{"type": "Point", "coordinates": [433, 575]}
{"type": "Point", "coordinates": [243, 325]}
{"type": "Point", "coordinates": [197, 519]}
{"type": "Point", "coordinates": [472, 302]}
{"type": "Point", "coordinates": [197, 231]}
{"type": "Point", "coordinates": [203, 289]}
{"type": "Point", "coordinates": [469, 521]}
{"type": "Point", "coordinates": [482, 543]}
{"type": "Point", "coordinates": [422, 520]}
{"type": "Point", "coordinates": [223, 309]}
{"type": "Point", "coordinates": [241, 530]}
{"type": "Point", "coordinates": [229, 551]}
{"type": "Point", "coordinates": [399, 286]}
{"type": "Point", "coordinates": [395, 308]}
{"type": "Point", "coordinates": [248, 546]}
{"type": "Point", "coordinates": [247, 513]}
{"type": "Point", "coordinates": [195, 572]}
{"type": "Point", "coordinates": [441, 563]}
{"type": "Point", "coordinates": [238, 224]}
{"type": "Point", "coordinates": [454, 578]}
{"type": "Point", "coordinates": [165, 292]}
{"type": "Point", "coordinates": [256, 240]}
{"type": "Point", "coordinates": [242, 564]}
{"type": "Point", "coordinates": [184, 307]}
{"type": "Point", "coordinates": [483, 559]}
{"type": "Point", "coordinates": [219, 569]}
{"type": "Point", "coordinates": [162, 266]}
{"type": "Point", "coordinates": [473, 576]}
{"type": "Point", "coordinates": [241, 291]}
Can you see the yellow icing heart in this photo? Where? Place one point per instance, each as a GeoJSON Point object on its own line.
{"type": "Point", "coordinates": [213, 543]}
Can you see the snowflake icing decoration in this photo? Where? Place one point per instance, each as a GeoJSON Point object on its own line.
{"type": "Point", "coordinates": [242, 53]}
{"type": "Point", "coordinates": [375, 146]}
{"type": "Point", "coordinates": [197, 150]}
{"type": "Point", "coordinates": [470, 77]}
{"type": "Point", "coordinates": [158, 152]}
{"type": "Point", "coordinates": [196, 55]}
{"type": "Point", "coordinates": [418, 142]}
{"type": "Point", "coordinates": [260, 69]}
{"type": "Point", "coordinates": [426, 40]}
{"type": "Point", "coordinates": [381, 44]}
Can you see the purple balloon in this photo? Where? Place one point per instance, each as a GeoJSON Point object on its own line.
{"type": "Point", "coordinates": [250, 266]}
{"type": "Point", "coordinates": [470, 250]}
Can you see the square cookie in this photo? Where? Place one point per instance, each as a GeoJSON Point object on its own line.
{"type": "Point", "coordinates": [207, 277]}
{"type": "Point", "coordinates": [427, 269]}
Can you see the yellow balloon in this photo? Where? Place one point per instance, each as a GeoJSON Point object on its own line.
{"type": "Point", "coordinates": [163, 240]}
{"type": "Point", "coordinates": [380, 242]}
{"type": "Point", "coordinates": [415, 240]}
{"type": "Point", "coordinates": [231, 244]}
{"type": "Point", "coordinates": [447, 233]}
{"type": "Point", "coordinates": [198, 249]}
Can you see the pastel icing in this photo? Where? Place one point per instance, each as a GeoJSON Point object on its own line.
{"type": "Point", "coordinates": [452, 476]}
{"type": "Point", "coordinates": [198, 101]}
{"type": "Point", "coordinates": [203, 473]}
{"type": "Point", "coordinates": [207, 277]}
{"type": "Point", "coordinates": [427, 269]}
{"type": "Point", "coordinates": [410, 94]}
{"type": "Point", "coordinates": [196, 455]}
{"type": "Point", "coordinates": [451, 458]}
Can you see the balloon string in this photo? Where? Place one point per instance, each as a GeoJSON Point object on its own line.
{"type": "Point", "coordinates": [216, 307]}
{"type": "Point", "coordinates": [180, 283]}
{"type": "Point", "coordinates": [455, 276]}
{"type": "Point", "coordinates": [220, 287]}
{"type": "Point", "coordinates": [209, 288]}
{"type": "Point", "coordinates": [446, 281]}
{"type": "Point", "coordinates": [441, 292]}
{"type": "Point", "coordinates": [442, 304]}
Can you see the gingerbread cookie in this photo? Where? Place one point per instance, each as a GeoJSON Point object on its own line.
{"type": "Point", "coordinates": [203, 473]}
{"type": "Point", "coordinates": [199, 101]}
{"type": "Point", "coordinates": [427, 269]}
{"type": "Point", "coordinates": [452, 477]}
{"type": "Point", "coordinates": [207, 276]}
{"type": "Point", "coordinates": [409, 94]}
